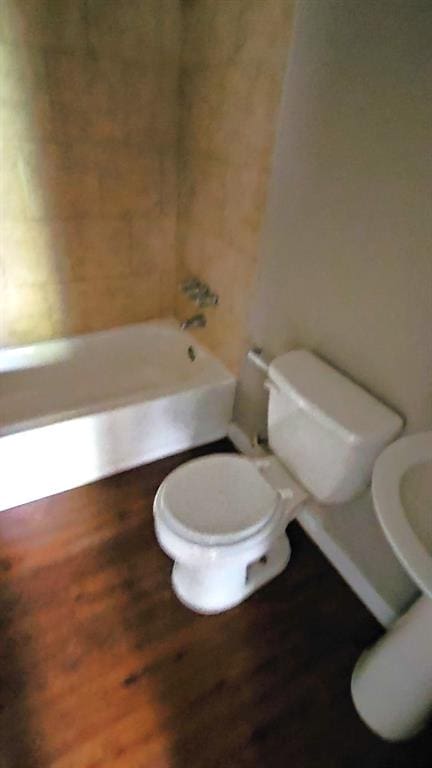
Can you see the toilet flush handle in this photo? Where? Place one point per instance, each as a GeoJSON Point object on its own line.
{"type": "Point", "coordinates": [256, 357]}
{"type": "Point", "coordinates": [270, 386]}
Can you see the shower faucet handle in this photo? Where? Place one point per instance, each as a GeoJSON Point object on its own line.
{"type": "Point", "coordinates": [206, 298]}
{"type": "Point", "coordinates": [199, 292]}
{"type": "Point", "coordinates": [197, 321]}
{"type": "Point", "coordinates": [190, 285]}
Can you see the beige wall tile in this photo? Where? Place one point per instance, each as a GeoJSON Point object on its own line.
{"type": "Point", "coordinates": [22, 73]}
{"type": "Point", "coordinates": [169, 185]}
{"type": "Point", "coordinates": [108, 98]}
{"type": "Point", "coordinates": [72, 194]}
{"type": "Point", "coordinates": [128, 160]}
{"type": "Point", "coordinates": [28, 313]}
{"type": "Point", "coordinates": [233, 61]}
{"type": "Point", "coordinates": [230, 111]}
{"type": "Point", "coordinates": [247, 122]}
{"type": "Point", "coordinates": [40, 180]}
{"type": "Point", "coordinates": [53, 23]}
{"type": "Point", "coordinates": [202, 105]}
{"type": "Point", "coordinates": [33, 119]}
{"type": "Point", "coordinates": [168, 287]}
{"type": "Point", "coordinates": [105, 249]}
{"type": "Point", "coordinates": [67, 307]}
{"type": "Point", "coordinates": [3, 308]}
{"type": "Point", "coordinates": [218, 32]}
{"type": "Point", "coordinates": [127, 29]}
{"type": "Point", "coordinates": [203, 195]}
{"type": "Point", "coordinates": [114, 302]}
{"type": "Point", "coordinates": [66, 248]}
{"type": "Point", "coordinates": [33, 312]}
{"type": "Point", "coordinates": [68, 76]}
{"type": "Point", "coordinates": [33, 253]}
{"type": "Point", "coordinates": [246, 188]}
{"type": "Point", "coordinates": [152, 238]}
{"type": "Point", "coordinates": [129, 179]}
{"type": "Point", "coordinates": [132, 101]}
{"type": "Point", "coordinates": [13, 198]}
{"type": "Point", "coordinates": [153, 255]}
{"type": "Point", "coordinates": [88, 130]}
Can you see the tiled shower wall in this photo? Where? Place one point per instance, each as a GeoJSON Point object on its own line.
{"type": "Point", "coordinates": [88, 122]}
{"type": "Point", "coordinates": [104, 129]}
{"type": "Point", "coordinates": [234, 55]}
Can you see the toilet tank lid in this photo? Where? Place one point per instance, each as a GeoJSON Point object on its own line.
{"type": "Point", "coordinates": [333, 398]}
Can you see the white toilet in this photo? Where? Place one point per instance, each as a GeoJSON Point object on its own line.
{"type": "Point", "coordinates": [222, 518]}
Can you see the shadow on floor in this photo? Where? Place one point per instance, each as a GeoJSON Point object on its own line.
{"type": "Point", "coordinates": [102, 667]}
{"type": "Point", "coordinates": [266, 683]}
{"type": "Point", "coordinates": [20, 746]}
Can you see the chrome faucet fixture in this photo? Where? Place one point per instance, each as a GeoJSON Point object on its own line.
{"type": "Point", "coordinates": [188, 286]}
{"type": "Point", "coordinates": [196, 321]}
{"type": "Point", "coordinates": [199, 292]}
{"type": "Point", "coordinates": [206, 297]}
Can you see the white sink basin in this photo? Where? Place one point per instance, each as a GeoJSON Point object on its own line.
{"type": "Point", "coordinates": [392, 682]}
{"type": "Point", "coordinates": [402, 494]}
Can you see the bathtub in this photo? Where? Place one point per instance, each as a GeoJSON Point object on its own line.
{"type": "Point", "coordinates": [76, 410]}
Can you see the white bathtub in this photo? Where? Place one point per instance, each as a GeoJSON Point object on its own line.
{"type": "Point", "coordinates": [75, 410]}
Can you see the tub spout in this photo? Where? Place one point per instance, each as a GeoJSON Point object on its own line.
{"type": "Point", "coordinates": [196, 321]}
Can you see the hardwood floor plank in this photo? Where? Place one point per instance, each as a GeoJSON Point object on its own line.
{"type": "Point", "coordinates": [102, 667]}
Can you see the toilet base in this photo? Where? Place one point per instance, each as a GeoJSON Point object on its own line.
{"type": "Point", "coordinates": [217, 588]}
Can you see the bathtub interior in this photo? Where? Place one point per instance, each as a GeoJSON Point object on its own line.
{"type": "Point", "coordinates": [85, 374]}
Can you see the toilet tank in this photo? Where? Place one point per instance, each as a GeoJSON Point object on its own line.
{"type": "Point", "coordinates": [324, 428]}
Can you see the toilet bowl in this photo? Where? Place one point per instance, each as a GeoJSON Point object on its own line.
{"type": "Point", "coordinates": [222, 518]}
{"type": "Point", "coordinates": [223, 524]}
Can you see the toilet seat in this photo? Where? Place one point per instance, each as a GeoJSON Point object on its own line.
{"type": "Point", "coordinates": [220, 499]}
{"type": "Point", "coordinates": [222, 519]}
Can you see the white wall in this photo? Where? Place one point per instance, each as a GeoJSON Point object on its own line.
{"type": "Point", "coordinates": [346, 266]}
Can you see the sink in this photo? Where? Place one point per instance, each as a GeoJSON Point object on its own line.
{"type": "Point", "coordinates": [392, 681]}
{"type": "Point", "coordinates": [402, 494]}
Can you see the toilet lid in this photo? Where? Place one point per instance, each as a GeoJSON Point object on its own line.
{"type": "Point", "coordinates": [218, 499]}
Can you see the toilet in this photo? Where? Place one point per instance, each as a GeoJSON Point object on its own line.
{"type": "Point", "coordinates": [222, 518]}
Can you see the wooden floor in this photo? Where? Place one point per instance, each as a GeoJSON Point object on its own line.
{"type": "Point", "coordinates": [101, 666]}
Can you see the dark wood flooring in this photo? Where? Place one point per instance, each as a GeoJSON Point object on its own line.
{"type": "Point", "coordinates": [101, 666]}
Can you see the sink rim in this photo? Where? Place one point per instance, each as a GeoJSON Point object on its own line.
{"type": "Point", "coordinates": [387, 474]}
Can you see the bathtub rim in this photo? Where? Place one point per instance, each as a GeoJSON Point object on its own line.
{"type": "Point", "coordinates": [117, 402]}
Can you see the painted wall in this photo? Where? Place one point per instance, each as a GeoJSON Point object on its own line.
{"type": "Point", "coordinates": [232, 64]}
{"type": "Point", "coordinates": [346, 265]}
{"type": "Point", "coordinates": [88, 121]}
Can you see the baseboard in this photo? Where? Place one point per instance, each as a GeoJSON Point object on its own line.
{"type": "Point", "coordinates": [311, 523]}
